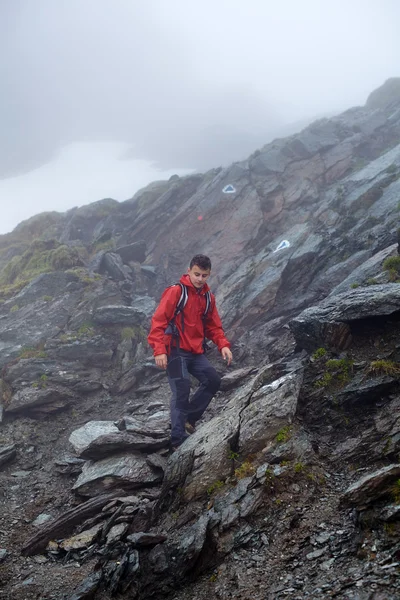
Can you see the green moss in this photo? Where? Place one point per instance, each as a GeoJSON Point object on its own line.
{"type": "Point", "coordinates": [139, 334]}
{"type": "Point", "coordinates": [298, 467]}
{"type": "Point", "coordinates": [354, 286]}
{"type": "Point", "coordinates": [392, 265]}
{"type": "Point", "coordinates": [319, 353]}
{"type": "Point", "coordinates": [214, 487]}
{"type": "Point", "coordinates": [127, 333]}
{"type": "Point", "coordinates": [284, 434]}
{"type": "Point", "coordinates": [337, 373]}
{"type": "Point", "coordinates": [105, 245]}
{"type": "Point", "coordinates": [40, 257]}
{"type": "Point", "coordinates": [324, 381]}
{"type": "Point", "coordinates": [64, 257]}
{"type": "Point", "coordinates": [245, 470]}
{"type": "Point", "coordinates": [14, 308]}
{"type": "Point", "coordinates": [390, 528]}
{"type": "Point", "coordinates": [32, 353]}
{"type": "Point", "coordinates": [86, 330]}
{"type": "Point", "coordinates": [396, 492]}
{"type": "Point", "coordinates": [341, 368]}
{"type": "Point", "coordinates": [47, 298]}
{"type": "Point", "coordinates": [233, 455]}
{"type": "Point", "coordinates": [371, 281]}
{"type": "Point", "coordinates": [83, 275]}
{"type": "Point", "coordinates": [384, 367]}
{"type": "Point", "coordinates": [8, 291]}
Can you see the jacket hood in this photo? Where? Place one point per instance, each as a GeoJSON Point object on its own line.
{"type": "Point", "coordinates": [185, 279]}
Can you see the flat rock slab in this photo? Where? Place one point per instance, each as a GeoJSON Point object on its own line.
{"type": "Point", "coordinates": [135, 252]}
{"type": "Point", "coordinates": [135, 426]}
{"type": "Point", "coordinates": [122, 471]}
{"type": "Point", "coordinates": [98, 439]}
{"type": "Point", "coordinates": [122, 441]}
{"type": "Point", "coordinates": [82, 540]}
{"type": "Point", "coordinates": [7, 453]}
{"type": "Point", "coordinates": [232, 379]}
{"type": "Point", "coordinates": [40, 401]}
{"type": "Point", "coordinates": [118, 315]}
{"type": "Point", "coordinates": [365, 271]}
{"type": "Point", "coordinates": [327, 325]}
{"type": "Point", "coordinates": [372, 486]}
{"type": "Point", "coordinates": [142, 539]}
{"type": "Point", "coordinates": [82, 438]}
{"type": "Point", "coordinates": [271, 408]}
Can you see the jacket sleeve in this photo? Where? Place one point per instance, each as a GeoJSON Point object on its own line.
{"type": "Point", "coordinates": [162, 316]}
{"type": "Point", "coordinates": [213, 328]}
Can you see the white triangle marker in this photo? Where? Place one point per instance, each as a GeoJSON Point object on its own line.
{"type": "Point", "coordinates": [282, 245]}
{"type": "Point", "coordinates": [229, 189]}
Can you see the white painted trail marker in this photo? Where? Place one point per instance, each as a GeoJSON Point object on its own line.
{"type": "Point", "coordinates": [229, 189]}
{"type": "Point", "coordinates": [282, 245]}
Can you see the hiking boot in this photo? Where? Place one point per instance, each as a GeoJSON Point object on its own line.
{"type": "Point", "coordinates": [189, 428]}
{"type": "Point", "coordinates": [176, 445]}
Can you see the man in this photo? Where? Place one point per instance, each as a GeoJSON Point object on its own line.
{"type": "Point", "coordinates": [178, 346]}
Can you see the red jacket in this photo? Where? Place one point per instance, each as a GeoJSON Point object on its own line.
{"type": "Point", "coordinates": [192, 337]}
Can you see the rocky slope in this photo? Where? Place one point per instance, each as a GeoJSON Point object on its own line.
{"type": "Point", "coordinates": [290, 487]}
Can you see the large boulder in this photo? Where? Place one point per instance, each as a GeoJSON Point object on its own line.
{"type": "Point", "coordinates": [327, 325]}
{"type": "Point", "coordinates": [40, 402]}
{"type": "Point", "coordinates": [122, 471]}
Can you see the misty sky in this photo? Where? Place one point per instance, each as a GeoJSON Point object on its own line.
{"type": "Point", "coordinates": [187, 83]}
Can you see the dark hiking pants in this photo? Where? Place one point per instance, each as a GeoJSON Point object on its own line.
{"type": "Point", "coordinates": [182, 364]}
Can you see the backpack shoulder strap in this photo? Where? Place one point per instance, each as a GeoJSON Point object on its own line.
{"type": "Point", "coordinates": [182, 299]}
{"type": "Point", "coordinates": [208, 304]}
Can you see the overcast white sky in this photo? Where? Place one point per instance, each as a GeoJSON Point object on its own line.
{"type": "Point", "coordinates": [189, 83]}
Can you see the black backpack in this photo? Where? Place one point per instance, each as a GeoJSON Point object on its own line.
{"type": "Point", "coordinates": [172, 328]}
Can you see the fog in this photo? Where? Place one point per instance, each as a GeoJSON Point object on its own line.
{"type": "Point", "coordinates": [185, 84]}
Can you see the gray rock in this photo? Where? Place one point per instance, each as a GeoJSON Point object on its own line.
{"type": "Point", "coordinates": [70, 465]}
{"type": "Point", "coordinates": [135, 426]}
{"type": "Point", "coordinates": [118, 315]}
{"type": "Point", "coordinates": [88, 587]}
{"type": "Point", "coordinates": [41, 519]}
{"type": "Point", "coordinates": [367, 270]}
{"type": "Point", "coordinates": [144, 304]}
{"type": "Point", "coordinates": [135, 252]}
{"type": "Point", "coordinates": [390, 513]}
{"type": "Point", "coordinates": [7, 453]}
{"type": "Point", "coordinates": [114, 266]}
{"type": "Point", "coordinates": [82, 438]}
{"type": "Point", "coordinates": [149, 271]}
{"type": "Point", "coordinates": [372, 486]}
{"type": "Point", "coordinates": [74, 375]}
{"type": "Point", "coordinates": [234, 378]}
{"type": "Point", "coordinates": [316, 554]}
{"type": "Point", "coordinates": [33, 324]}
{"type": "Point", "coordinates": [122, 441]}
{"type": "Point", "coordinates": [82, 540]}
{"type": "Point", "coordinates": [97, 350]}
{"type": "Point", "coordinates": [116, 533]}
{"type": "Point", "coordinates": [210, 445]}
{"type": "Point", "coordinates": [37, 402]}
{"type": "Point", "coordinates": [326, 325]}
{"type": "Point", "coordinates": [126, 472]}
{"type": "Point", "coordinates": [271, 408]}
{"type": "Point", "coordinates": [3, 554]}
{"type": "Point", "coordinates": [143, 539]}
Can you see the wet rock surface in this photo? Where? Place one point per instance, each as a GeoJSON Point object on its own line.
{"type": "Point", "coordinates": [290, 485]}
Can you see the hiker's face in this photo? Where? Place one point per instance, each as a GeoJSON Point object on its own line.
{"type": "Point", "coordinates": [198, 276]}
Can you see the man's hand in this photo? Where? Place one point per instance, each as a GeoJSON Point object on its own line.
{"type": "Point", "coordinates": [226, 355]}
{"type": "Point", "coordinates": [161, 361]}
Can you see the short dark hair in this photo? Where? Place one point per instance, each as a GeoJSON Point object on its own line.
{"type": "Point", "coordinates": [201, 261]}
